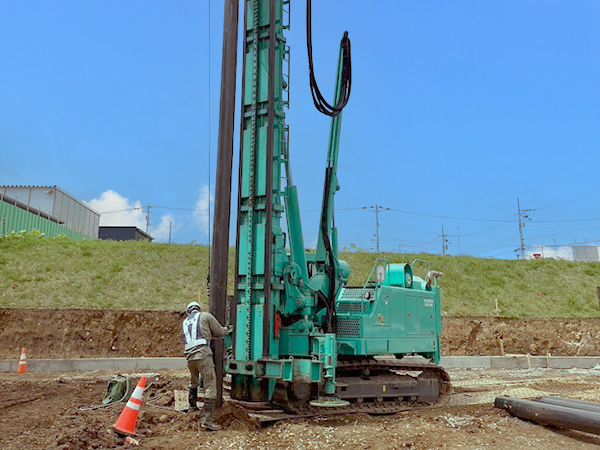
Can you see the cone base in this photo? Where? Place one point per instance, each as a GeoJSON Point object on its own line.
{"type": "Point", "coordinates": [122, 432]}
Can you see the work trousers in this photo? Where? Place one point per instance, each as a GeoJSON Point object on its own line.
{"type": "Point", "coordinates": [206, 368]}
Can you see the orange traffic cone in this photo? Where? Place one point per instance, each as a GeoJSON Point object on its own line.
{"type": "Point", "coordinates": [22, 362]}
{"type": "Point", "coordinates": [128, 418]}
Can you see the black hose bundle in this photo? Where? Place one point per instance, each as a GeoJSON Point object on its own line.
{"type": "Point", "coordinates": [320, 103]}
{"type": "Point", "coordinates": [331, 316]}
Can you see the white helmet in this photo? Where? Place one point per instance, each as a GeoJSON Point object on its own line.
{"type": "Point", "coordinates": [191, 306]}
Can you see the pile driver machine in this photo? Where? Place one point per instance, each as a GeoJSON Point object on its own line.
{"type": "Point", "coordinates": [302, 338]}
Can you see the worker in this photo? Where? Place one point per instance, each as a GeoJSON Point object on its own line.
{"type": "Point", "coordinates": [198, 330]}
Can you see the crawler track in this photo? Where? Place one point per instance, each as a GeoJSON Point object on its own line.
{"type": "Point", "coordinates": [382, 372]}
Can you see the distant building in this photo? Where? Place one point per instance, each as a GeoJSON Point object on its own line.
{"type": "Point", "coordinates": [584, 253]}
{"type": "Point", "coordinates": [118, 233]}
{"type": "Point", "coordinates": [47, 208]}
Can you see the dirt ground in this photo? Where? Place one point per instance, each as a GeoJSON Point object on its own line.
{"type": "Point", "coordinates": [52, 411]}
{"type": "Point", "coordinates": [49, 411]}
{"type": "Point", "coordinates": [87, 333]}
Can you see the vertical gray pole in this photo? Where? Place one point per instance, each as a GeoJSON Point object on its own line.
{"type": "Point", "coordinates": [170, 228]}
{"type": "Point", "coordinates": [218, 270]}
{"type": "Point", "coordinates": [443, 242]}
{"type": "Point", "coordinates": [148, 219]}
{"type": "Point", "coordinates": [377, 225]}
{"type": "Point", "coordinates": [521, 230]}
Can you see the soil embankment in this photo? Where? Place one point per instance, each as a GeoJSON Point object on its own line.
{"type": "Point", "coordinates": [112, 333]}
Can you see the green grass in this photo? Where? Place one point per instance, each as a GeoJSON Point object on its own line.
{"type": "Point", "coordinates": [38, 272]}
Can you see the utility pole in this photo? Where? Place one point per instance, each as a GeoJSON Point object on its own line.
{"type": "Point", "coordinates": [458, 235]}
{"type": "Point", "coordinates": [445, 242]}
{"type": "Point", "coordinates": [376, 208]}
{"type": "Point", "coordinates": [521, 230]}
{"type": "Point", "coordinates": [147, 219]}
{"type": "Point", "coordinates": [170, 227]}
{"type": "Point", "coordinates": [377, 225]}
{"type": "Point", "coordinates": [523, 214]}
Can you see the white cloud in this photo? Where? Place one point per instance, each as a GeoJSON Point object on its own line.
{"type": "Point", "coordinates": [116, 210]}
{"type": "Point", "coordinates": [201, 215]}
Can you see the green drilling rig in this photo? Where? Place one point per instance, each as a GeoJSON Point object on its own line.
{"type": "Point", "coordinates": [302, 338]}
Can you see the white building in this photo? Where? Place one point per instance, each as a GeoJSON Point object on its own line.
{"type": "Point", "coordinates": [585, 253]}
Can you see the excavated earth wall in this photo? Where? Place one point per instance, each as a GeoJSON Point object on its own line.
{"type": "Point", "coordinates": [97, 334]}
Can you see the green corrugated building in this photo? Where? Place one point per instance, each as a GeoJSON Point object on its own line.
{"type": "Point", "coordinates": [48, 209]}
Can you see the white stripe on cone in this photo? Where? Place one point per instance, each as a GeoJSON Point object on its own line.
{"type": "Point", "coordinates": [133, 406]}
{"type": "Point", "coordinates": [22, 368]}
{"type": "Point", "coordinates": [137, 395]}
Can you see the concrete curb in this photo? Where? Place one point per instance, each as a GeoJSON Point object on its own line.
{"type": "Point", "coordinates": [91, 364]}
{"type": "Point", "coordinates": [448, 362]}
{"type": "Point", "coordinates": [520, 362]}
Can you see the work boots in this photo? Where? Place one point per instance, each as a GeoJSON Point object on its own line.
{"type": "Point", "coordinates": [193, 399]}
{"type": "Point", "coordinates": [208, 421]}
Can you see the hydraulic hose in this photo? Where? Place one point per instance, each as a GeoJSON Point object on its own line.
{"type": "Point", "coordinates": [346, 85]}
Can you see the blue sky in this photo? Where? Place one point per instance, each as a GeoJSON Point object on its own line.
{"type": "Point", "coordinates": [457, 109]}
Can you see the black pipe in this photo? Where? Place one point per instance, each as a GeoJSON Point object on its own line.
{"type": "Point", "coordinates": [570, 403]}
{"type": "Point", "coordinates": [546, 414]}
{"type": "Point", "coordinates": [218, 270]}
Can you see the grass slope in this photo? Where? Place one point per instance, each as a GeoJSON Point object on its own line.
{"type": "Point", "coordinates": [38, 272]}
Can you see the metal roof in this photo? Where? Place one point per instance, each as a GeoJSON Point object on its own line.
{"type": "Point", "coordinates": [62, 191]}
{"type": "Point", "coordinates": [23, 206]}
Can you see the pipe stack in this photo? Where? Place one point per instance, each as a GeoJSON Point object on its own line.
{"type": "Point", "coordinates": [555, 411]}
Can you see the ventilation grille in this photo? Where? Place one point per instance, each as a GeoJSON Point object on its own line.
{"type": "Point", "coordinates": [358, 293]}
{"type": "Point", "coordinates": [348, 326]}
{"type": "Point", "coordinates": [351, 307]}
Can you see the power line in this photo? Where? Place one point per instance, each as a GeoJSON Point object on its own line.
{"type": "Point", "coordinates": [163, 231]}
{"type": "Point", "coordinates": [564, 232]}
{"type": "Point", "coordinates": [180, 209]}
{"type": "Point", "coordinates": [567, 220]}
{"type": "Point", "coordinates": [408, 230]}
{"type": "Point", "coordinates": [493, 227]}
{"type": "Point", "coordinates": [503, 253]}
{"type": "Point", "coordinates": [499, 221]}
{"type": "Point", "coordinates": [336, 209]}
{"type": "Point", "coordinates": [138, 208]}
{"type": "Point", "coordinates": [438, 216]}
{"type": "Point", "coordinates": [491, 220]}
{"type": "Point", "coordinates": [570, 201]}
